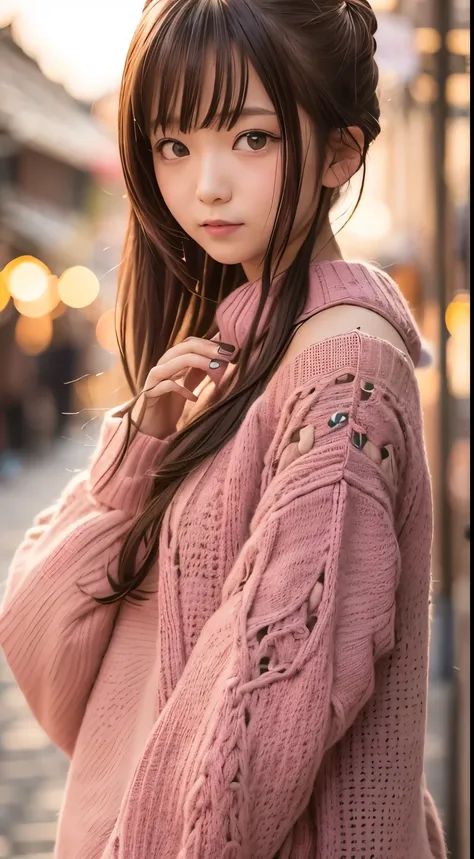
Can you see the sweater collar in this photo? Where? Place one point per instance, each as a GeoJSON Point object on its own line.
{"type": "Point", "coordinates": [330, 284]}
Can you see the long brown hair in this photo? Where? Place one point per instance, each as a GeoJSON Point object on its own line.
{"type": "Point", "coordinates": [318, 55]}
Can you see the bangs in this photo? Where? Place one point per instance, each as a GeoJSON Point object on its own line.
{"type": "Point", "coordinates": [176, 64]}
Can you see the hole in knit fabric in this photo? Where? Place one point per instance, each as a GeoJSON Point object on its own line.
{"type": "Point", "coordinates": [177, 562]}
{"type": "Point", "coordinates": [262, 633]}
{"type": "Point", "coordinates": [345, 379]}
{"type": "Point", "coordinates": [367, 389]}
{"type": "Point", "coordinates": [314, 601]}
{"type": "Point", "coordinates": [359, 440]}
{"type": "Point", "coordinates": [247, 717]}
{"type": "Point", "coordinates": [338, 419]}
{"type": "Point", "coordinates": [263, 664]}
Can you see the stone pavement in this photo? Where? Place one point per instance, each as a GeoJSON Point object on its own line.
{"type": "Point", "coordinates": [32, 771]}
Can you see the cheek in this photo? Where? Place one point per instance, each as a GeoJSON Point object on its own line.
{"type": "Point", "coordinates": [172, 191]}
{"type": "Point", "coordinates": [263, 185]}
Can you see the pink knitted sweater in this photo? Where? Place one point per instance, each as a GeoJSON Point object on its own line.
{"type": "Point", "coordinates": [269, 699]}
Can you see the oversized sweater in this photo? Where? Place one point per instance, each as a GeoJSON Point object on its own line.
{"type": "Point", "coordinates": [269, 698]}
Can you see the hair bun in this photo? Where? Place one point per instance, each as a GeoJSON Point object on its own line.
{"type": "Point", "coordinates": [364, 8]}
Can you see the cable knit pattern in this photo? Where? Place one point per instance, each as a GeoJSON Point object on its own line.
{"type": "Point", "coordinates": [269, 699]}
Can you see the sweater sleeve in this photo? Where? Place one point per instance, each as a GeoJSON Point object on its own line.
{"type": "Point", "coordinates": [53, 634]}
{"type": "Point", "coordinates": [283, 668]}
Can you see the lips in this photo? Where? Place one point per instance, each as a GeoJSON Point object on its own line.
{"type": "Point", "coordinates": [220, 229]}
{"type": "Point", "coordinates": [220, 224]}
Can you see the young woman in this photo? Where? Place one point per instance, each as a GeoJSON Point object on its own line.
{"type": "Point", "coordinates": [224, 622]}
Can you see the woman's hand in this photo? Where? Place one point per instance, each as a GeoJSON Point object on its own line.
{"type": "Point", "coordinates": [173, 380]}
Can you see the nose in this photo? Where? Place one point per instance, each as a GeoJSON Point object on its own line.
{"type": "Point", "coordinates": [213, 185]}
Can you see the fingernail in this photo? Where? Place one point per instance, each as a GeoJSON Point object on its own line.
{"type": "Point", "coordinates": [225, 347]}
{"type": "Point", "coordinates": [214, 365]}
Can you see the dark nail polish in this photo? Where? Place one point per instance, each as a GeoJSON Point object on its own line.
{"type": "Point", "coordinates": [214, 365]}
{"type": "Point", "coordinates": [225, 347]}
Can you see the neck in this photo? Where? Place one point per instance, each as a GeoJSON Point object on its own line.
{"type": "Point", "coordinates": [326, 249]}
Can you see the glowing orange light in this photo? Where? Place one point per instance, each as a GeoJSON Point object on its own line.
{"type": "Point", "coordinates": [458, 313]}
{"type": "Point", "coordinates": [58, 310]}
{"type": "Point", "coordinates": [43, 305]}
{"type": "Point", "coordinates": [105, 331]}
{"type": "Point", "coordinates": [26, 278]}
{"type": "Point", "coordinates": [34, 335]}
{"type": "Point", "coordinates": [428, 40]}
{"type": "Point", "coordinates": [424, 89]}
{"type": "Point", "coordinates": [4, 293]}
{"type": "Point", "coordinates": [458, 347]}
{"type": "Point", "coordinates": [78, 286]}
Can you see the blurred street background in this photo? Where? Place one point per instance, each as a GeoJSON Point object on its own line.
{"type": "Point", "coordinates": [62, 217]}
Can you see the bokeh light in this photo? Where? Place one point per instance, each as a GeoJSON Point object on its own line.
{"type": "Point", "coordinates": [458, 347]}
{"type": "Point", "coordinates": [105, 331]}
{"type": "Point", "coordinates": [58, 310]}
{"type": "Point", "coordinates": [33, 336]}
{"type": "Point", "coordinates": [4, 292]}
{"type": "Point", "coordinates": [78, 286]}
{"type": "Point", "coordinates": [43, 305]}
{"type": "Point", "coordinates": [26, 278]}
{"type": "Point", "coordinates": [458, 313]}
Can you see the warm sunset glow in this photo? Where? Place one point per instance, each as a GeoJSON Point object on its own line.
{"type": "Point", "coordinates": [78, 286]}
{"type": "Point", "coordinates": [69, 43]}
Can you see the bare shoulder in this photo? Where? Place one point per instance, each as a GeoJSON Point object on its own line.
{"type": "Point", "coordinates": [341, 320]}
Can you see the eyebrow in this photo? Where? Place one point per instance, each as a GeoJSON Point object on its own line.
{"type": "Point", "coordinates": [245, 112]}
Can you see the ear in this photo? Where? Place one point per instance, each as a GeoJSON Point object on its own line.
{"type": "Point", "coordinates": [344, 156]}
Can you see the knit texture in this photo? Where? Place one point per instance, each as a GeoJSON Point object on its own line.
{"type": "Point", "coordinates": [269, 699]}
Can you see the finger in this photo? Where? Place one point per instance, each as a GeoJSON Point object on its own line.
{"type": "Point", "coordinates": [178, 367]}
{"type": "Point", "coordinates": [215, 372]}
{"type": "Point", "coordinates": [194, 378]}
{"type": "Point", "coordinates": [168, 387]}
{"type": "Point", "coordinates": [199, 346]}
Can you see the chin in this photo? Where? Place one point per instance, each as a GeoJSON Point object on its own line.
{"type": "Point", "coordinates": [226, 256]}
{"type": "Point", "coordinates": [226, 259]}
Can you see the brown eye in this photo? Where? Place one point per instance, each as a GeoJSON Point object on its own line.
{"type": "Point", "coordinates": [171, 150]}
{"type": "Point", "coordinates": [256, 141]}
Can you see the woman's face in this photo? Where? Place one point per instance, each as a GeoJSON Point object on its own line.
{"type": "Point", "coordinates": [223, 186]}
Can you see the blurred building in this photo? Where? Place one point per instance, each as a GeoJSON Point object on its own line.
{"type": "Point", "coordinates": [414, 220]}
{"type": "Point", "coordinates": [59, 184]}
